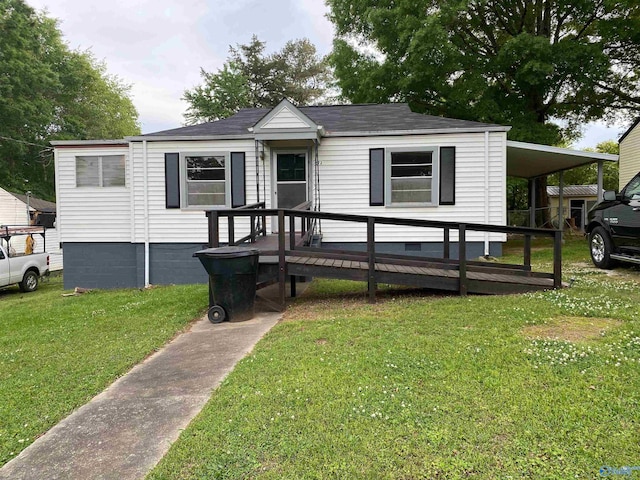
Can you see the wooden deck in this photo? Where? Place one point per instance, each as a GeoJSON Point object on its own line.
{"type": "Point", "coordinates": [287, 255]}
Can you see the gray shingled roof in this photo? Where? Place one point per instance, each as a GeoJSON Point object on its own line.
{"type": "Point", "coordinates": [36, 203]}
{"type": "Point", "coordinates": [573, 191]}
{"type": "Point", "coordinates": [334, 119]}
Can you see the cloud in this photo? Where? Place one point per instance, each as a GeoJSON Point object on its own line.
{"type": "Point", "coordinates": [314, 13]}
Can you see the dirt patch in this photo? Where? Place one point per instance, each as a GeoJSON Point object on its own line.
{"type": "Point", "coordinates": [321, 341]}
{"type": "Point", "coordinates": [571, 329]}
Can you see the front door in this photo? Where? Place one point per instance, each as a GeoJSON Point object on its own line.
{"type": "Point", "coordinates": [291, 179]}
{"type": "Point", "coordinates": [290, 185]}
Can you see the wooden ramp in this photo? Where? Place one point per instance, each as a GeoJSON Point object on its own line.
{"type": "Point", "coordinates": [481, 278]}
{"type": "Point", "coordinates": [288, 254]}
{"type": "Point", "coordinates": [416, 276]}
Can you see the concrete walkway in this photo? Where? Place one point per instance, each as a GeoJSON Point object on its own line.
{"type": "Point", "coordinates": [124, 431]}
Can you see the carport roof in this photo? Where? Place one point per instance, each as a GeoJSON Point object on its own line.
{"type": "Point", "coordinates": [530, 160]}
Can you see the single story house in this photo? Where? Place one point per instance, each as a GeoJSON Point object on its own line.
{"type": "Point", "coordinates": [629, 153]}
{"type": "Point", "coordinates": [19, 209]}
{"type": "Point", "coordinates": [130, 211]}
{"type": "Point", "coordinates": [577, 201]}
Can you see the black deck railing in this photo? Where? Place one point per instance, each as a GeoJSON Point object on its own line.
{"type": "Point", "coordinates": [308, 218]}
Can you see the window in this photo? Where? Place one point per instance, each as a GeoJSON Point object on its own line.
{"type": "Point", "coordinates": [100, 171]}
{"type": "Point", "coordinates": [205, 176]}
{"type": "Point", "coordinates": [411, 174]}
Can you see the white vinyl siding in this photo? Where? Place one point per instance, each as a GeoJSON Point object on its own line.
{"type": "Point", "coordinates": [91, 214]}
{"type": "Point", "coordinates": [185, 225]}
{"type": "Point", "coordinates": [119, 213]}
{"type": "Point", "coordinates": [344, 185]}
{"type": "Point", "coordinates": [284, 119]}
{"type": "Point", "coordinates": [629, 156]}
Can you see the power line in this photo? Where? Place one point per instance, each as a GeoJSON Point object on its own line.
{"type": "Point", "coordinates": [44, 147]}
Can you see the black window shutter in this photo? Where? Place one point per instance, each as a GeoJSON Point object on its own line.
{"type": "Point", "coordinates": [238, 189]}
{"type": "Point", "coordinates": [447, 175]}
{"type": "Point", "coordinates": [376, 176]}
{"type": "Point", "coordinates": [172, 179]}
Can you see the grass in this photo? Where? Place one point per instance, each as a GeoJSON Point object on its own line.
{"type": "Point", "coordinates": [543, 385]}
{"type": "Point", "coordinates": [56, 352]}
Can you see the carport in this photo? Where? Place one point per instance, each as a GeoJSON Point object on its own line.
{"type": "Point", "coordinates": [532, 161]}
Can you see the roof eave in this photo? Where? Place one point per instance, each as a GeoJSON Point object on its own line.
{"type": "Point", "coordinates": [629, 130]}
{"type": "Point", "coordinates": [428, 131]}
{"type": "Point", "coordinates": [165, 138]}
{"type": "Point", "coordinates": [88, 143]}
{"type": "Point", "coordinates": [563, 151]}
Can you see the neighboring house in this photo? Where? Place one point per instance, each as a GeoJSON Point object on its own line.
{"type": "Point", "coordinates": [577, 201]}
{"type": "Point", "coordinates": [13, 211]}
{"type": "Point", "coordinates": [130, 211]}
{"type": "Point", "coordinates": [629, 153]}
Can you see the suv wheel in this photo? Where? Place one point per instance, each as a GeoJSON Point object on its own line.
{"type": "Point", "coordinates": [601, 247]}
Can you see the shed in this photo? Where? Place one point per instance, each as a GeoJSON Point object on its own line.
{"type": "Point", "coordinates": [577, 201]}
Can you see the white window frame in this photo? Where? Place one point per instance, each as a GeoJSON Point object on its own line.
{"type": "Point", "coordinates": [435, 176]}
{"type": "Point", "coordinates": [100, 171]}
{"type": "Point", "coordinates": [184, 192]}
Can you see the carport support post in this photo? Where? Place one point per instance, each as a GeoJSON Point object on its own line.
{"type": "Point", "coordinates": [561, 202]}
{"type": "Point", "coordinates": [557, 259]}
{"type": "Point", "coordinates": [600, 180]}
{"type": "Point", "coordinates": [532, 202]}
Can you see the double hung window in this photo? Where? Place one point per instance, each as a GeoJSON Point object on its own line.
{"type": "Point", "coordinates": [205, 180]}
{"type": "Point", "coordinates": [412, 175]}
{"type": "Point", "coordinates": [100, 171]}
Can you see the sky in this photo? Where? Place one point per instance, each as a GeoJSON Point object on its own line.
{"type": "Point", "coordinates": [159, 46]}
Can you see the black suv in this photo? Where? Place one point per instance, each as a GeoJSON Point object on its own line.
{"type": "Point", "coordinates": [614, 227]}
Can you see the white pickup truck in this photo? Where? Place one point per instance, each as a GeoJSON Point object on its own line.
{"type": "Point", "coordinates": [26, 270]}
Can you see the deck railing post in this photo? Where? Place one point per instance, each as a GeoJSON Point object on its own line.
{"type": "Point", "coordinates": [253, 228]}
{"type": "Point", "coordinates": [446, 253]}
{"type": "Point", "coordinates": [557, 259]}
{"type": "Point", "coordinates": [527, 252]}
{"type": "Point", "coordinates": [281, 259]}
{"type": "Point", "coordinates": [231, 223]}
{"type": "Point", "coordinates": [462, 258]}
{"type": "Point", "coordinates": [292, 231]}
{"type": "Point", "coordinates": [214, 229]}
{"type": "Point", "coordinates": [371, 250]}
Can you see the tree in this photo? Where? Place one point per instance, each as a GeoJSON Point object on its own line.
{"type": "Point", "coordinates": [250, 78]}
{"type": "Point", "coordinates": [50, 92]}
{"type": "Point", "coordinates": [519, 63]}
{"type": "Point", "coordinates": [509, 62]}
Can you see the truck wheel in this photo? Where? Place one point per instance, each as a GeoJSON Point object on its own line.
{"type": "Point", "coordinates": [30, 282]}
{"type": "Point", "coordinates": [601, 247]}
{"type": "Point", "coordinates": [216, 314]}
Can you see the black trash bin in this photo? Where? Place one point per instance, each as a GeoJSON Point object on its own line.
{"type": "Point", "coordinates": [233, 273]}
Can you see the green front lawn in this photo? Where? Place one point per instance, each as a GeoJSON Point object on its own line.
{"type": "Point", "coordinates": [56, 352]}
{"type": "Point", "coordinates": [543, 385]}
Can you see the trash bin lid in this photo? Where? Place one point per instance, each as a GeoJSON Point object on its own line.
{"type": "Point", "coordinates": [227, 252]}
